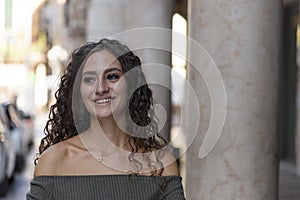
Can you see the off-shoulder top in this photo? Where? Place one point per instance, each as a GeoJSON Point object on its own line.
{"type": "Point", "coordinates": [111, 187]}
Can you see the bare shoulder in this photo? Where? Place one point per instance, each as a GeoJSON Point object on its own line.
{"type": "Point", "coordinates": [170, 164]}
{"type": "Point", "coordinates": [52, 159]}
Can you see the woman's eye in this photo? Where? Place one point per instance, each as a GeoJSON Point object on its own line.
{"type": "Point", "coordinates": [113, 76]}
{"type": "Point", "coordinates": [89, 79]}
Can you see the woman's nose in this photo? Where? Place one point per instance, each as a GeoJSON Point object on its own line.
{"type": "Point", "coordinates": [102, 86]}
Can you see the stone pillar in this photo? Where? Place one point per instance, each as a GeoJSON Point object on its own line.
{"type": "Point", "coordinates": [298, 118]}
{"type": "Point", "coordinates": [75, 20]}
{"type": "Point", "coordinates": [243, 39]}
{"type": "Point", "coordinates": [104, 19]}
{"type": "Point", "coordinates": [154, 13]}
{"type": "Point", "coordinates": [297, 143]}
{"type": "Point", "coordinates": [298, 98]}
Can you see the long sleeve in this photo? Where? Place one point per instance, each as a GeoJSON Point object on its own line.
{"type": "Point", "coordinates": [40, 189]}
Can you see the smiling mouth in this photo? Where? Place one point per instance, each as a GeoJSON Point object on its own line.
{"type": "Point", "coordinates": [103, 101]}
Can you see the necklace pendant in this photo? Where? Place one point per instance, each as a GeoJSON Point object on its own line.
{"type": "Point", "coordinates": [100, 158]}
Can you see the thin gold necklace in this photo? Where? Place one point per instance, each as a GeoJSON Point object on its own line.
{"type": "Point", "coordinates": [100, 157]}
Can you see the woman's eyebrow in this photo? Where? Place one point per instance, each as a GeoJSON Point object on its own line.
{"type": "Point", "coordinates": [89, 73]}
{"type": "Point", "coordinates": [112, 69]}
{"type": "Point", "coordinates": [105, 71]}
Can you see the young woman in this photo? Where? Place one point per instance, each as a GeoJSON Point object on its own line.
{"type": "Point", "coordinates": [102, 139]}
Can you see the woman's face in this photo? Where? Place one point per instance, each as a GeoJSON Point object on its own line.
{"type": "Point", "coordinates": [103, 86]}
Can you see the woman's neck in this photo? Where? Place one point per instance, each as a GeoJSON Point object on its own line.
{"type": "Point", "coordinates": [109, 129]}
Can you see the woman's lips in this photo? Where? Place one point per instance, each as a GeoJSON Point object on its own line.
{"type": "Point", "coordinates": [105, 100]}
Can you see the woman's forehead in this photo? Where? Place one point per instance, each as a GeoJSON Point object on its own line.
{"type": "Point", "coordinates": [100, 60]}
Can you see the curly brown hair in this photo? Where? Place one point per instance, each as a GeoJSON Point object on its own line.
{"type": "Point", "coordinates": [67, 114]}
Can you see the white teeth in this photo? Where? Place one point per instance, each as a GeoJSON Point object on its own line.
{"type": "Point", "coordinates": [103, 100]}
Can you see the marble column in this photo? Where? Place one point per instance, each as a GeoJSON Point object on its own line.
{"type": "Point", "coordinates": [75, 19]}
{"type": "Point", "coordinates": [298, 99]}
{"type": "Point", "coordinates": [297, 142]}
{"type": "Point", "coordinates": [153, 13]}
{"type": "Point", "coordinates": [243, 39]}
{"type": "Point", "coordinates": [105, 18]}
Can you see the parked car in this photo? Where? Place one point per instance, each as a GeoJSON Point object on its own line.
{"type": "Point", "coordinates": [21, 131]}
{"type": "Point", "coordinates": [7, 154]}
{"type": "Point", "coordinates": [28, 127]}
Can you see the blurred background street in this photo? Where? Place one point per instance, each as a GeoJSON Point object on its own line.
{"type": "Point", "coordinates": [253, 45]}
{"type": "Point", "coordinates": [20, 185]}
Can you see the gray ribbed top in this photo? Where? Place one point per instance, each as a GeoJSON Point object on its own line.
{"type": "Point", "coordinates": [109, 187]}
